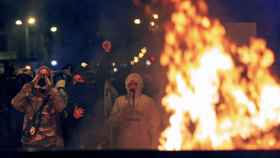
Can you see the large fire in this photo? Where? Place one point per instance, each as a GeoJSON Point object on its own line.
{"type": "Point", "coordinates": [221, 96]}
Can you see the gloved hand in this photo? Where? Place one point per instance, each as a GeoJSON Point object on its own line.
{"type": "Point", "coordinates": [78, 112]}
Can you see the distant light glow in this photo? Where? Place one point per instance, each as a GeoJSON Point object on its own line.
{"type": "Point", "coordinates": [136, 60]}
{"type": "Point", "coordinates": [31, 20]}
{"type": "Point", "coordinates": [107, 46]}
{"type": "Point", "coordinates": [115, 69]}
{"type": "Point", "coordinates": [28, 67]}
{"type": "Point", "coordinates": [54, 63]}
{"type": "Point", "coordinates": [54, 29]}
{"type": "Point", "coordinates": [152, 23]}
{"type": "Point", "coordinates": [144, 50]}
{"type": "Point", "coordinates": [132, 63]}
{"type": "Point", "coordinates": [137, 21]}
{"type": "Point", "coordinates": [141, 55]}
{"type": "Point", "coordinates": [19, 22]}
{"type": "Point", "coordinates": [155, 16]}
{"type": "Point", "coordinates": [113, 64]}
{"type": "Point", "coordinates": [84, 64]}
{"type": "Point", "coordinates": [148, 63]}
{"type": "Point", "coordinates": [152, 58]}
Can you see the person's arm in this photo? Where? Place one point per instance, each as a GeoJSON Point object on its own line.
{"type": "Point", "coordinates": [68, 117]}
{"type": "Point", "coordinates": [114, 91]}
{"type": "Point", "coordinates": [64, 95]}
{"type": "Point", "coordinates": [115, 115]}
{"type": "Point", "coordinates": [57, 100]}
{"type": "Point", "coordinates": [21, 99]}
{"type": "Point", "coordinates": [68, 110]}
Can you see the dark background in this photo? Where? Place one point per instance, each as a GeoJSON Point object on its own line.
{"type": "Point", "coordinates": [84, 24]}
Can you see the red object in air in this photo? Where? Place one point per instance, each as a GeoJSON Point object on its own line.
{"type": "Point", "coordinates": [136, 3]}
{"type": "Point", "coordinates": [107, 46]}
{"type": "Point", "coordinates": [153, 59]}
{"type": "Point", "coordinates": [78, 78]}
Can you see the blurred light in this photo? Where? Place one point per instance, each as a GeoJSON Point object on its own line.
{"type": "Point", "coordinates": [54, 63]}
{"type": "Point", "coordinates": [144, 50]}
{"type": "Point", "coordinates": [155, 16]}
{"type": "Point", "coordinates": [148, 63]}
{"type": "Point", "coordinates": [141, 55]}
{"type": "Point", "coordinates": [115, 69]}
{"type": "Point", "coordinates": [153, 59]}
{"type": "Point", "coordinates": [28, 67]}
{"type": "Point", "coordinates": [136, 59]}
{"type": "Point", "coordinates": [137, 21]}
{"type": "Point", "coordinates": [84, 64]}
{"type": "Point", "coordinates": [152, 23]}
{"type": "Point", "coordinates": [53, 29]}
{"type": "Point", "coordinates": [132, 63]}
{"type": "Point", "coordinates": [19, 22]}
{"type": "Point", "coordinates": [31, 20]}
{"type": "Point", "coordinates": [113, 64]}
{"type": "Point", "coordinates": [107, 46]}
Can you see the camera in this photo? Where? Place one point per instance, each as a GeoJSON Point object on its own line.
{"type": "Point", "coordinates": [42, 82]}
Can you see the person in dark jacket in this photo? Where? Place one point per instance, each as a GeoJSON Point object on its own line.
{"type": "Point", "coordinates": [41, 103]}
{"type": "Point", "coordinates": [79, 112]}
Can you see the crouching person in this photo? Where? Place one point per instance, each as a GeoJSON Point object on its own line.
{"type": "Point", "coordinates": [41, 104]}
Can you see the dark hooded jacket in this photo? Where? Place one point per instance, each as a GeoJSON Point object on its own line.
{"type": "Point", "coordinates": [76, 130]}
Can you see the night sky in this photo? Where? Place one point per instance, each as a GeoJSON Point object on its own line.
{"type": "Point", "coordinates": [84, 24]}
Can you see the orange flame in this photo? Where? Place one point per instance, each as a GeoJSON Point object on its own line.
{"type": "Point", "coordinates": [221, 96]}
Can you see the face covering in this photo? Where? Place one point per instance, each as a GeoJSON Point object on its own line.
{"type": "Point", "coordinates": [134, 84]}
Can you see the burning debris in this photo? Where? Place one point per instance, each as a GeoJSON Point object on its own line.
{"type": "Point", "coordinates": [221, 96]}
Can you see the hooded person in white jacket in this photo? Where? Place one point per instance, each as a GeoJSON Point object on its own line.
{"type": "Point", "coordinates": [135, 118]}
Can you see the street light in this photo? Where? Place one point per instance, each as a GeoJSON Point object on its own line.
{"type": "Point", "coordinates": [152, 23]}
{"type": "Point", "coordinates": [53, 29]}
{"type": "Point", "coordinates": [137, 21]}
{"type": "Point", "coordinates": [144, 50]}
{"type": "Point", "coordinates": [115, 69]}
{"type": "Point", "coordinates": [19, 22]}
{"type": "Point", "coordinates": [84, 64]}
{"type": "Point", "coordinates": [148, 63]}
{"type": "Point", "coordinates": [141, 55]}
{"type": "Point", "coordinates": [136, 60]}
{"type": "Point", "coordinates": [155, 16]}
{"type": "Point", "coordinates": [31, 20]}
{"type": "Point", "coordinates": [28, 67]}
{"type": "Point", "coordinates": [54, 63]}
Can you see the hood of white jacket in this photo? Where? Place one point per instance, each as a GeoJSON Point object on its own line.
{"type": "Point", "coordinates": [136, 78]}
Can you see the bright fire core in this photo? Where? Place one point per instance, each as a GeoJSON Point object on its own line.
{"type": "Point", "coordinates": [221, 96]}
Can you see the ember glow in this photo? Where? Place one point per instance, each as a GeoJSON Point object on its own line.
{"type": "Point", "coordinates": [220, 96]}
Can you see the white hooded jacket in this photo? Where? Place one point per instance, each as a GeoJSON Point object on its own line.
{"type": "Point", "coordinates": [137, 126]}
